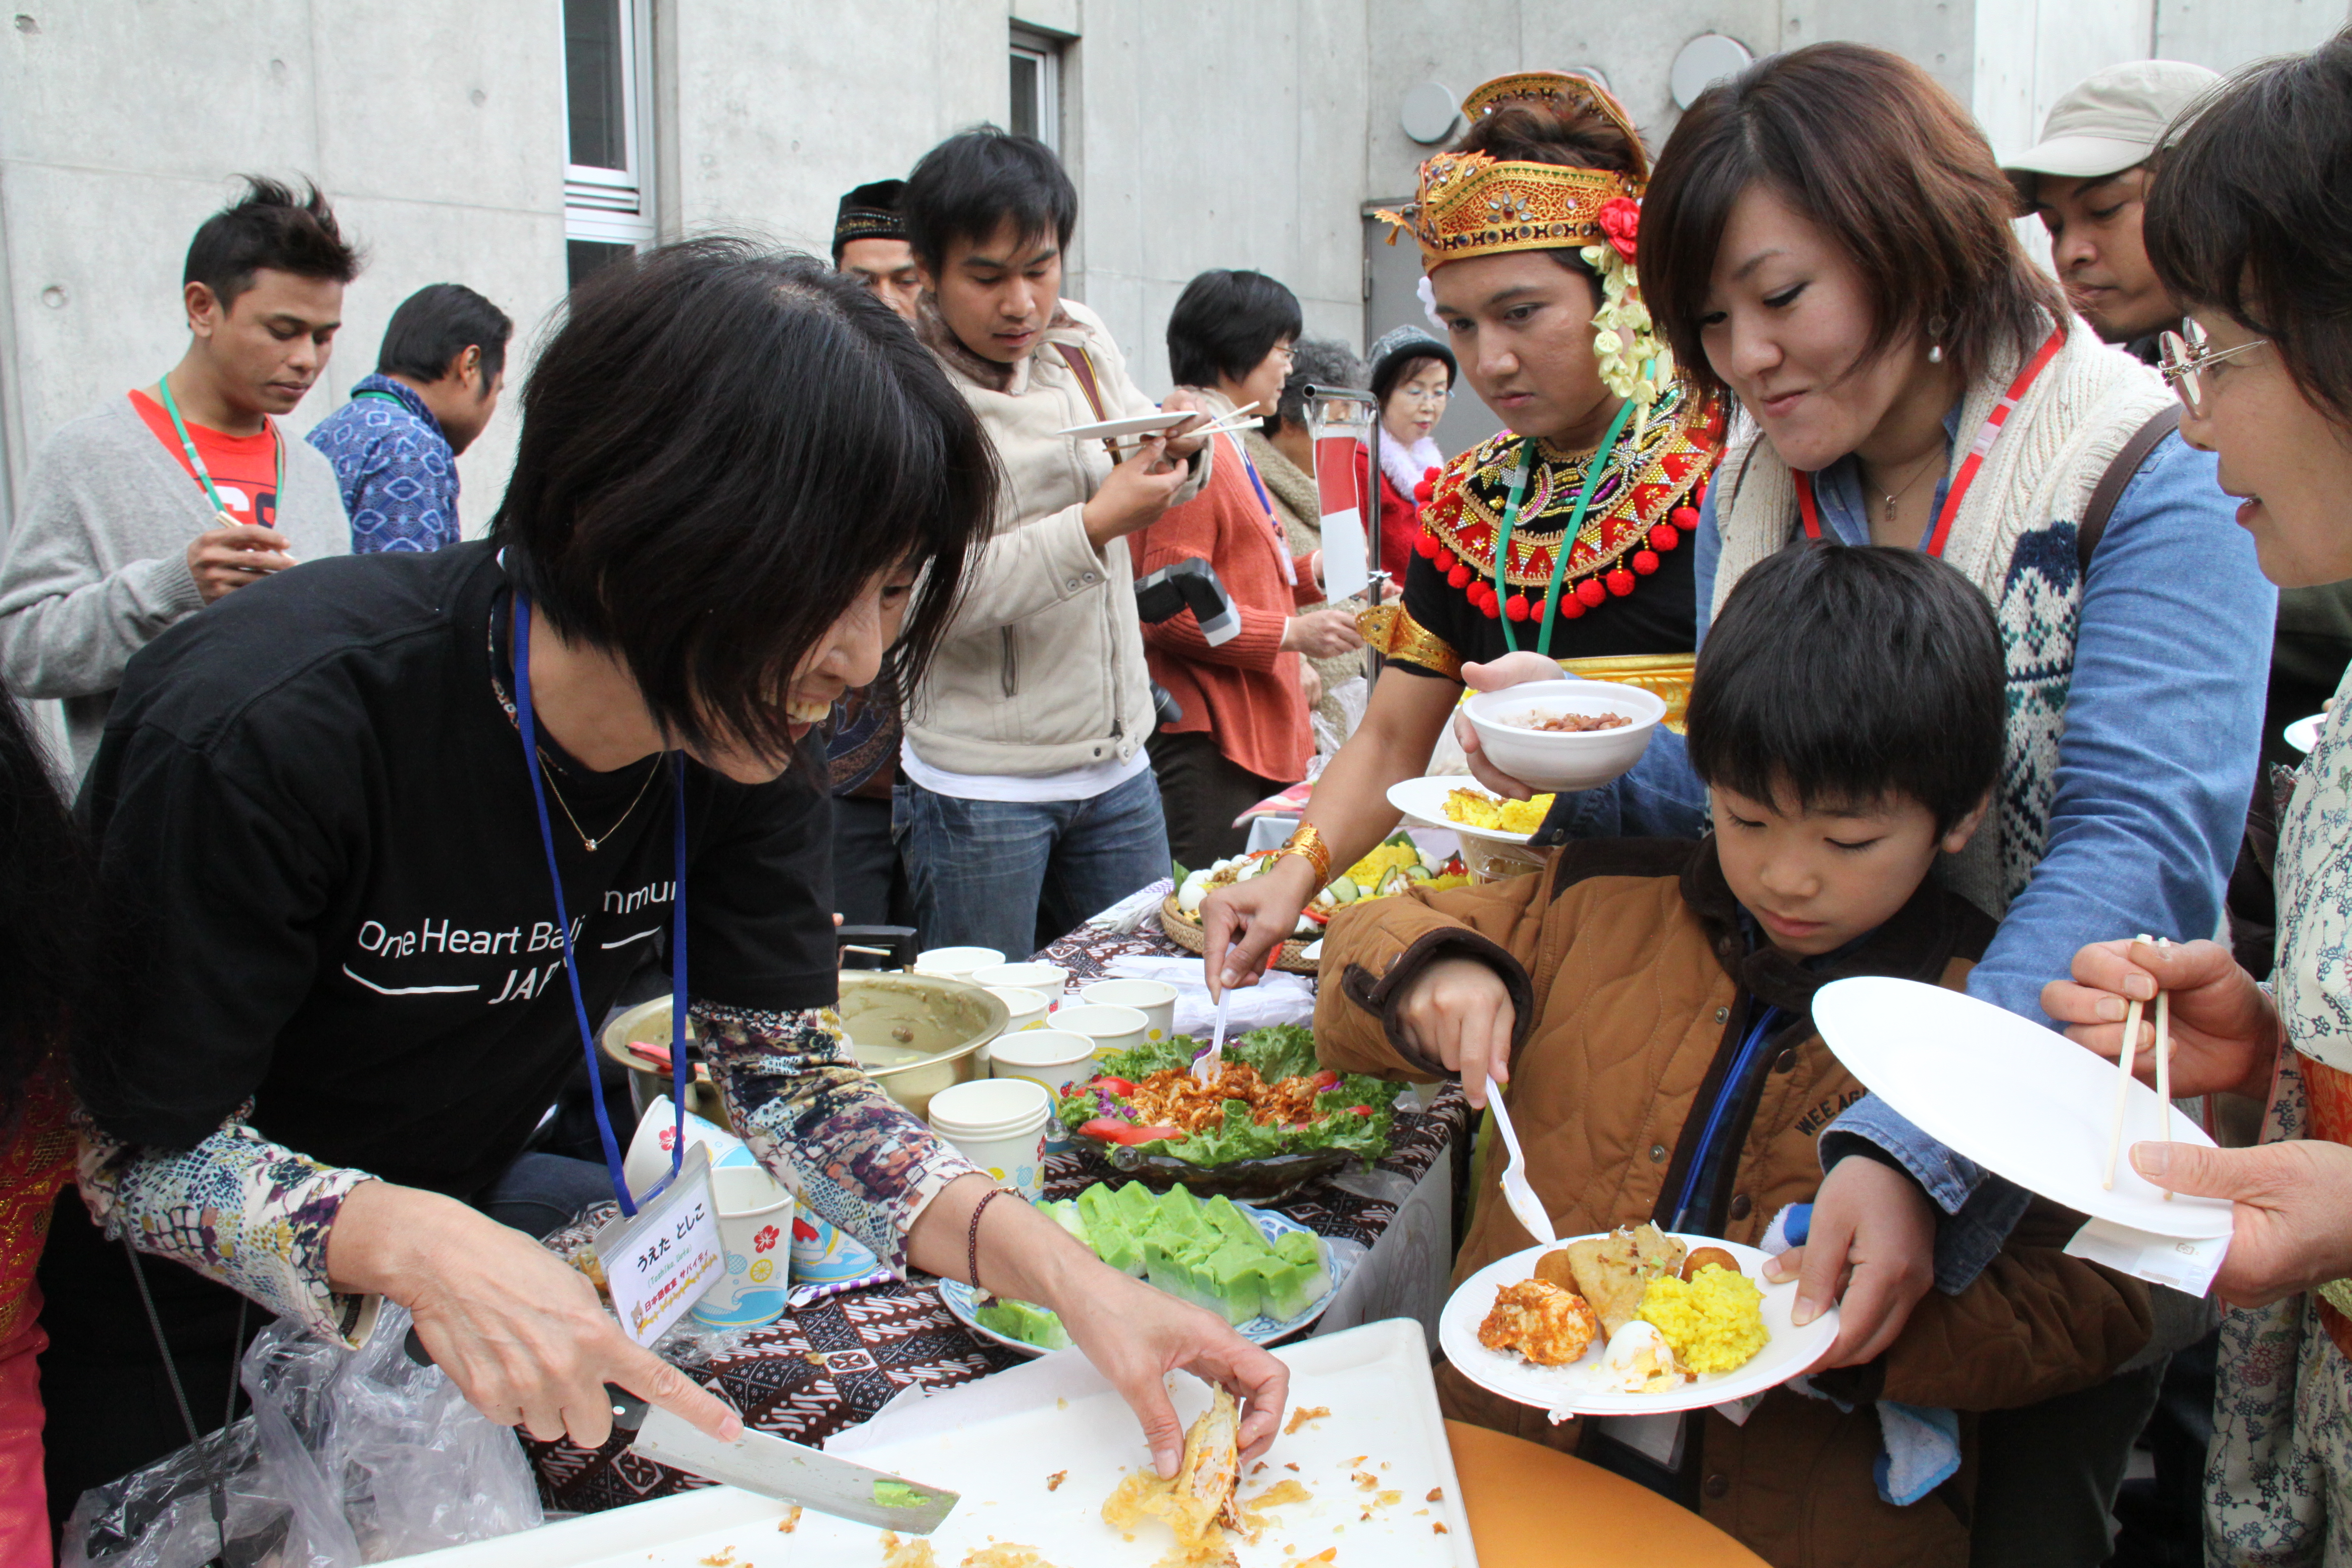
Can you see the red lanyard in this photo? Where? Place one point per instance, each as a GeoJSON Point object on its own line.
{"type": "Point", "coordinates": [1987, 435]}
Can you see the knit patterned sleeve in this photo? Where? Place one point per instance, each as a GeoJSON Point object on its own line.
{"type": "Point", "coordinates": [239, 1210]}
{"type": "Point", "coordinates": [793, 1086]}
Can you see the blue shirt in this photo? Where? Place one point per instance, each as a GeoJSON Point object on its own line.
{"type": "Point", "coordinates": [2154, 771]}
{"type": "Point", "coordinates": [397, 471]}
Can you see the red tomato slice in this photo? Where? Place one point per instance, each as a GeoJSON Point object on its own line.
{"type": "Point", "coordinates": [1115, 1085]}
{"type": "Point", "coordinates": [1110, 1132]}
{"type": "Point", "coordinates": [1326, 1080]}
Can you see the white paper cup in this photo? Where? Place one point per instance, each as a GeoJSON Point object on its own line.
{"type": "Point", "coordinates": [1110, 1028]}
{"type": "Point", "coordinates": [648, 1158]}
{"type": "Point", "coordinates": [1048, 980]}
{"type": "Point", "coordinates": [1155, 999]}
{"type": "Point", "coordinates": [956, 962]}
{"type": "Point", "coordinates": [998, 1125]}
{"type": "Point", "coordinates": [1028, 1008]}
{"type": "Point", "coordinates": [755, 1232]}
{"type": "Point", "coordinates": [1054, 1059]}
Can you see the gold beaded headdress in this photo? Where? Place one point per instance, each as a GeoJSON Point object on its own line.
{"type": "Point", "coordinates": [1471, 205]}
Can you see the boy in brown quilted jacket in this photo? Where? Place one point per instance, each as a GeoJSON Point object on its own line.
{"type": "Point", "coordinates": [1648, 1004]}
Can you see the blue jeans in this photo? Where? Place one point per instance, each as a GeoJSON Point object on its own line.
{"type": "Point", "coordinates": [542, 1193]}
{"type": "Point", "coordinates": [1014, 875]}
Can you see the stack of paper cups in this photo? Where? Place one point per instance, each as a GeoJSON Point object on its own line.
{"type": "Point", "coordinates": [998, 1125]}
{"type": "Point", "coordinates": [1110, 1028]}
{"type": "Point", "coordinates": [1054, 1060]}
{"type": "Point", "coordinates": [1048, 980]}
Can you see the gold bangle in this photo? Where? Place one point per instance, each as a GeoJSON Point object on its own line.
{"type": "Point", "coordinates": [1308, 846]}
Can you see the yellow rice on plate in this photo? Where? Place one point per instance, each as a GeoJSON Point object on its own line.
{"type": "Point", "coordinates": [1713, 1322]}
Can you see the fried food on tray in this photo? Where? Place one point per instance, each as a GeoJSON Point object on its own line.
{"type": "Point", "coordinates": [1553, 1266]}
{"type": "Point", "coordinates": [1174, 1098]}
{"type": "Point", "coordinates": [1714, 1321]}
{"type": "Point", "coordinates": [1613, 1271]}
{"type": "Point", "coordinates": [1550, 1326]}
{"type": "Point", "coordinates": [1201, 1499]}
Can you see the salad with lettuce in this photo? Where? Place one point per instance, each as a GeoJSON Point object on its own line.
{"type": "Point", "coordinates": [1271, 1099]}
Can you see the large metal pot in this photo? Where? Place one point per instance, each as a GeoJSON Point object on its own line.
{"type": "Point", "coordinates": [914, 1034]}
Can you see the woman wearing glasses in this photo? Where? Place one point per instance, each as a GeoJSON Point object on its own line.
{"type": "Point", "coordinates": [1412, 376]}
{"type": "Point", "coordinates": [1828, 239]}
{"type": "Point", "coordinates": [2247, 225]}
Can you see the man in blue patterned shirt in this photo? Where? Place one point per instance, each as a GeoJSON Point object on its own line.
{"type": "Point", "coordinates": [394, 444]}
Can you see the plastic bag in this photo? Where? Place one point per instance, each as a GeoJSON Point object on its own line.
{"type": "Point", "coordinates": [350, 1456]}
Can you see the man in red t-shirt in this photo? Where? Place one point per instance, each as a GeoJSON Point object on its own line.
{"type": "Point", "coordinates": [164, 501]}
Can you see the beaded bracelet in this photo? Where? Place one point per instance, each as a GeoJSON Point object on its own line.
{"type": "Point", "coordinates": [971, 1238]}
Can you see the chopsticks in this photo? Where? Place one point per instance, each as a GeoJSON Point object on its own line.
{"type": "Point", "coordinates": [2127, 1056]}
{"type": "Point", "coordinates": [1227, 425]}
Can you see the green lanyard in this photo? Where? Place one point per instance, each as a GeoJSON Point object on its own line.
{"type": "Point", "coordinates": [203, 475]}
{"type": "Point", "coordinates": [1566, 539]}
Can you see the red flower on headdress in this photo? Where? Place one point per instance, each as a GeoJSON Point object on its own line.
{"type": "Point", "coordinates": [1621, 220]}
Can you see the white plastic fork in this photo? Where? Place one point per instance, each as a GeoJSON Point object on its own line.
{"type": "Point", "coordinates": [1210, 1063]}
{"type": "Point", "coordinates": [1516, 1191]}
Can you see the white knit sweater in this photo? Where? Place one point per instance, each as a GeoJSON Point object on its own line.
{"type": "Point", "coordinates": [2014, 538]}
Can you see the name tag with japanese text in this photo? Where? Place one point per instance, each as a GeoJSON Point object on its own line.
{"type": "Point", "coordinates": [659, 1262]}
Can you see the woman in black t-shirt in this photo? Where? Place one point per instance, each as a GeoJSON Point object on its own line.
{"type": "Point", "coordinates": [740, 486]}
{"type": "Point", "coordinates": [1559, 538]}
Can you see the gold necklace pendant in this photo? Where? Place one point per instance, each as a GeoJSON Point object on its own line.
{"type": "Point", "coordinates": [585, 842]}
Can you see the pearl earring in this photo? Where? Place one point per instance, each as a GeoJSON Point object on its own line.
{"type": "Point", "coordinates": [1935, 350]}
{"type": "Point", "coordinates": [1935, 353]}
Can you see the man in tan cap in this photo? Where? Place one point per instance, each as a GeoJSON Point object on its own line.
{"type": "Point", "coordinates": [2086, 180]}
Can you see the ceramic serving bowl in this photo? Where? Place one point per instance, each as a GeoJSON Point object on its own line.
{"type": "Point", "coordinates": [1560, 759]}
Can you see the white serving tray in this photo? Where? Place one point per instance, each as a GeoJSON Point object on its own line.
{"type": "Point", "coordinates": [999, 1440]}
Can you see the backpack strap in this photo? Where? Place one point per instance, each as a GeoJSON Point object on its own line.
{"type": "Point", "coordinates": [1082, 365]}
{"type": "Point", "coordinates": [2110, 487]}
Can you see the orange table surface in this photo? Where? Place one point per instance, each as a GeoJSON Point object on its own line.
{"type": "Point", "coordinates": [1531, 1507]}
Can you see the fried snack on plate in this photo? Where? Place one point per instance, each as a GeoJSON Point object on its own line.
{"type": "Point", "coordinates": [1199, 1500]}
{"type": "Point", "coordinates": [1709, 1257]}
{"type": "Point", "coordinates": [914, 1553]}
{"type": "Point", "coordinates": [1550, 1326]}
{"type": "Point", "coordinates": [1613, 1271]}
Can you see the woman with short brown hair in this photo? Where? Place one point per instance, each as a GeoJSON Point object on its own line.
{"type": "Point", "coordinates": [1827, 240]}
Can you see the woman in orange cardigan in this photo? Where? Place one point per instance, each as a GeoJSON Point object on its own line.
{"type": "Point", "coordinates": [1244, 731]}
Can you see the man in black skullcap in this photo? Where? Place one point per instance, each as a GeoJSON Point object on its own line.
{"type": "Point", "coordinates": [869, 243]}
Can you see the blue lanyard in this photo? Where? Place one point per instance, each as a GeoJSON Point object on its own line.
{"type": "Point", "coordinates": [529, 728]}
{"type": "Point", "coordinates": [1742, 1063]}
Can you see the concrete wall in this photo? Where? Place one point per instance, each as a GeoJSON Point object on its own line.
{"type": "Point", "coordinates": [1217, 133]}
{"type": "Point", "coordinates": [435, 126]}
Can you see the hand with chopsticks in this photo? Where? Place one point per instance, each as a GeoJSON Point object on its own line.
{"type": "Point", "coordinates": [2290, 1200]}
{"type": "Point", "coordinates": [2224, 1030]}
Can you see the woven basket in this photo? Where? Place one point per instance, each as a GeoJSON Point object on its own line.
{"type": "Point", "coordinates": [1187, 933]}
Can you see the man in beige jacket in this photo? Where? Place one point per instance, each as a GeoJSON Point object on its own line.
{"type": "Point", "coordinates": [1029, 802]}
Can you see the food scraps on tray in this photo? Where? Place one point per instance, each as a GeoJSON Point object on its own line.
{"type": "Point", "coordinates": [1199, 1505]}
{"type": "Point", "coordinates": [1271, 1097]}
{"type": "Point", "coordinates": [1664, 1313]}
{"type": "Point", "coordinates": [1395, 866]}
{"type": "Point", "coordinates": [1210, 1254]}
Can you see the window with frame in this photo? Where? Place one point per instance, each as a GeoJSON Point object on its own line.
{"type": "Point", "coordinates": [1036, 100]}
{"type": "Point", "coordinates": [608, 199]}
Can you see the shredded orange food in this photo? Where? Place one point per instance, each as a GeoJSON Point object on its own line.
{"type": "Point", "coordinates": [1173, 1098]}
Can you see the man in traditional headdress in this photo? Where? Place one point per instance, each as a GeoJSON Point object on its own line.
{"type": "Point", "coordinates": [869, 243]}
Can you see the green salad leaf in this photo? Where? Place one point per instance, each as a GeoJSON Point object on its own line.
{"type": "Point", "coordinates": [1279, 1052]}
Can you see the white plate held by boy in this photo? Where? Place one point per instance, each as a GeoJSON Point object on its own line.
{"type": "Point", "coordinates": [1578, 1387]}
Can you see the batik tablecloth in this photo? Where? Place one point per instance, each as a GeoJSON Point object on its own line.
{"type": "Point", "coordinates": [833, 1363]}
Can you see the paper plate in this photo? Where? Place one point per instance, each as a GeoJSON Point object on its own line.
{"type": "Point", "coordinates": [1578, 1387]}
{"type": "Point", "coordinates": [1133, 425]}
{"type": "Point", "coordinates": [2023, 1101]}
{"type": "Point", "coordinates": [1424, 800]}
{"type": "Point", "coordinates": [1338, 1261]}
{"type": "Point", "coordinates": [2304, 734]}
